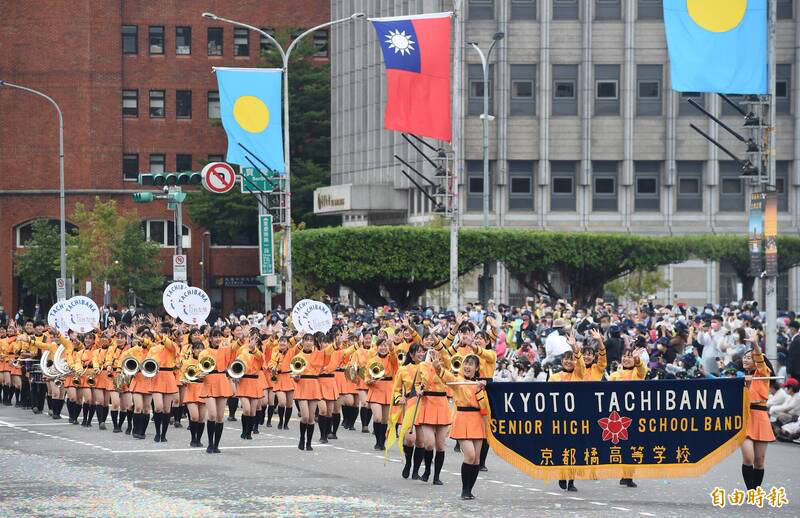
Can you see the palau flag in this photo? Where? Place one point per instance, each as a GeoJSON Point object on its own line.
{"type": "Point", "coordinates": [717, 45]}
{"type": "Point", "coordinates": [251, 111]}
{"type": "Point", "coordinates": [416, 52]}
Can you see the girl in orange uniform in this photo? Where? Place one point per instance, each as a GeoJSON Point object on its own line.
{"type": "Point", "coordinates": [82, 363]}
{"type": "Point", "coordinates": [361, 357]}
{"type": "Point", "coordinates": [164, 388]}
{"type": "Point", "coordinates": [632, 369]}
{"type": "Point", "coordinates": [102, 381]}
{"type": "Point", "coordinates": [283, 385]}
{"type": "Point", "coordinates": [347, 403]}
{"type": "Point", "coordinates": [404, 395]}
{"type": "Point", "coordinates": [192, 396]}
{"type": "Point", "coordinates": [140, 387]}
{"type": "Point", "coordinates": [380, 390]}
{"type": "Point", "coordinates": [759, 431]}
{"type": "Point", "coordinates": [433, 416]}
{"type": "Point", "coordinates": [216, 387]}
{"type": "Point", "coordinates": [573, 369]}
{"type": "Point", "coordinates": [329, 390]}
{"type": "Point", "coordinates": [308, 393]}
{"type": "Point", "coordinates": [249, 389]}
{"type": "Point", "coordinates": [468, 428]}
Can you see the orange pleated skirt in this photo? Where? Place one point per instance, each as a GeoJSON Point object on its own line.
{"type": "Point", "coordinates": [103, 381]}
{"type": "Point", "coordinates": [380, 392]}
{"type": "Point", "coordinates": [141, 385]}
{"type": "Point", "coordinates": [345, 385]}
{"type": "Point", "coordinates": [194, 393]}
{"type": "Point", "coordinates": [284, 384]}
{"type": "Point", "coordinates": [164, 383]}
{"type": "Point", "coordinates": [328, 387]}
{"type": "Point", "coordinates": [307, 389]}
{"type": "Point", "coordinates": [758, 426]}
{"type": "Point", "coordinates": [468, 425]}
{"type": "Point", "coordinates": [433, 410]}
{"type": "Point", "coordinates": [263, 380]}
{"type": "Point", "coordinates": [216, 384]}
{"type": "Point", "coordinates": [15, 371]}
{"type": "Point", "coordinates": [4, 367]}
{"type": "Point", "coordinates": [249, 388]}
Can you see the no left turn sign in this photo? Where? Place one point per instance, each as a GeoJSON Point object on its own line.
{"type": "Point", "coordinates": [218, 177]}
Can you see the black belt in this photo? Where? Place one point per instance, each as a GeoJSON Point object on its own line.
{"type": "Point", "coordinates": [326, 376]}
{"type": "Point", "coordinates": [468, 409]}
{"type": "Point", "coordinates": [216, 372]}
{"type": "Point", "coordinates": [339, 370]}
{"type": "Point", "coordinates": [250, 376]}
{"type": "Point", "coordinates": [384, 379]}
{"type": "Point", "coordinates": [166, 369]}
{"type": "Point", "coordinates": [284, 372]}
{"type": "Point", "coordinates": [758, 407]}
{"type": "Point", "coordinates": [309, 376]}
{"type": "Point", "coordinates": [426, 393]}
{"type": "Point", "coordinates": [485, 379]}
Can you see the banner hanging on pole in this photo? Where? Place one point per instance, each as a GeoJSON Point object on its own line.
{"type": "Point", "coordinates": [755, 231]}
{"type": "Point", "coordinates": [771, 234]}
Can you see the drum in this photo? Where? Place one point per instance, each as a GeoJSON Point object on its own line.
{"type": "Point", "coordinates": [35, 371]}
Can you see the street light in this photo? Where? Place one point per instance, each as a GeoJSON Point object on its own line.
{"type": "Point", "coordinates": [60, 173]}
{"type": "Point", "coordinates": [486, 117]}
{"type": "Point", "coordinates": [287, 159]}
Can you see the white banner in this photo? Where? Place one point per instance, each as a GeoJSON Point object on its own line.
{"type": "Point", "coordinates": [171, 296]}
{"type": "Point", "coordinates": [194, 306]}
{"type": "Point", "coordinates": [312, 316]}
{"type": "Point", "coordinates": [83, 314]}
{"type": "Point", "coordinates": [57, 316]}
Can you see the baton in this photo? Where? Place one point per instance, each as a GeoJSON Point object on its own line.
{"type": "Point", "coordinates": [463, 383]}
{"type": "Point", "coordinates": [765, 378]}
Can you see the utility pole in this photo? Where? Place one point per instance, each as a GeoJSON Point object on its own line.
{"type": "Point", "coordinates": [770, 281]}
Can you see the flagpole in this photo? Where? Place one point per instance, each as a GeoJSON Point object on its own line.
{"type": "Point", "coordinates": [456, 167]}
{"type": "Point", "coordinates": [287, 205]}
{"type": "Point", "coordinates": [770, 281]}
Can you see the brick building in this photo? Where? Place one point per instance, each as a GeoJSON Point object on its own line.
{"type": "Point", "coordinates": [134, 82]}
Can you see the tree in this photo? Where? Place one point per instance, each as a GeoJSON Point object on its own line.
{"type": "Point", "coordinates": [637, 285]}
{"type": "Point", "coordinates": [39, 262]}
{"type": "Point", "coordinates": [232, 218]}
{"type": "Point", "coordinates": [111, 247]}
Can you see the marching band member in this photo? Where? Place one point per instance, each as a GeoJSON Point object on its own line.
{"type": "Point", "coordinates": [217, 389]}
{"type": "Point", "coordinates": [140, 386]}
{"type": "Point", "coordinates": [249, 389]}
{"type": "Point", "coordinates": [361, 357]}
{"type": "Point", "coordinates": [348, 389]}
{"type": "Point", "coordinates": [573, 369]}
{"type": "Point", "coordinates": [82, 364]}
{"type": "Point", "coordinates": [468, 427]}
{"type": "Point", "coordinates": [595, 367]}
{"type": "Point", "coordinates": [102, 381]}
{"type": "Point", "coordinates": [405, 396]}
{"type": "Point", "coordinates": [308, 392]}
{"type": "Point", "coordinates": [283, 385]}
{"type": "Point", "coordinates": [433, 416]}
{"type": "Point", "coordinates": [632, 369]}
{"type": "Point", "coordinates": [759, 430]}
{"type": "Point", "coordinates": [192, 396]}
{"type": "Point", "coordinates": [269, 399]}
{"type": "Point", "coordinates": [380, 389]}
{"type": "Point", "coordinates": [329, 390]}
{"type": "Point", "coordinates": [118, 392]}
{"type": "Point", "coordinates": [233, 336]}
{"type": "Point", "coordinates": [163, 389]}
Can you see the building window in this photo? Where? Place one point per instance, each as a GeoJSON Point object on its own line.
{"type": "Point", "coordinates": [481, 9]}
{"type": "Point", "coordinates": [215, 158]}
{"type": "Point", "coordinates": [321, 42]}
{"type": "Point", "coordinates": [24, 232]}
{"type": "Point", "coordinates": [241, 42]}
{"type": "Point", "coordinates": [213, 105]}
{"type": "Point", "coordinates": [783, 84]}
{"type": "Point", "coordinates": [648, 90]}
{"type": "Point", "coordinates": [215, 35]}
{"type": "Point", "coordinates": [731, 190]}
{"type": "Point", "coordinates": [565, 9]}
{"type": "Point", "coordinates": [565, 94]}
{"type": "Point", "coordinates": [785, 9]}
{"type": "Point", "coordinates": [130, 37]}
{"type": "Point", "coordinates": [130, 167]}
{"type": "Point", "coordinates": [690, 187]}
{"type": "Point", "coordinates": [781, 181]}
{"type": "Point", "coordinates": [604, 186]}
{"type": "Point", "coordinates": [728, 279]}
{"type": "Point", "coordinates": [607, 10]}
{"type": "Point", "coordinates": [727, 109]}
{"type": "Point", "coordinates": [646, 196]}
{"type": "Point", "coordinates": [520, 185]}
{"type": "Point", "coordinates": [130, 103]}
{"type": "Point", "coordinates": [157, 163]}
{"type": "Point", "coordinates": [562, 181]}
{"type": "Point", "coordinates": [183, 163]}
{"type": "Point", "coordinates": [263, 42]}
{"type": "Point", "coordinates": [163, 233]}
{"type": "Point", "coordinates": [475, 103]}
{"type": "Point", "coordinates": [155, 39]}
{"type": "Point", "coordinates": [686, 109]}
{"type": "Point", "coordinates": [650, 10]}
{"type": "Point", "coordinates": [606, 87]}
{"type": "Point", "coordinates": [183, 41]}
{"type": "Point", "coordinates": [157, 110]}
{"type": "Point", "coordinates": [183, 104]}
{"type": "Point", "coordinates": [475, 185]}
{"type": "Point", "coordinates": [523, 9]}
{"type": "Point", "coordinates": [523, 88]}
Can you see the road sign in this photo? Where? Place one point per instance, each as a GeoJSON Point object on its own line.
{"type": "Point", "coordinates": [253, 182]}
{"type": "Point", "coordinates": [61, 288]}
{"type": "Point", "coordinates": [265, 242]}
{"type": "Point", "coordinates": [218, 177]}
{"type": "Point", "coordinates": [178, 267]}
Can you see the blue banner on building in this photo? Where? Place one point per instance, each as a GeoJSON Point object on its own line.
{"type": "Point", "coordinates": [621, 429]}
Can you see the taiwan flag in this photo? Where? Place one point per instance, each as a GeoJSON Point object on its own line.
{"type": "Point", "coordinates": [416, 51]}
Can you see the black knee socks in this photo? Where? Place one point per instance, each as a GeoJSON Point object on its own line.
{"type": "Point", "coordinates": [302, 434]}
{"type": "Point", "coordinates": [419, 454]}
{"type": "Point", "coordinates": [211, 431]}
{"type": "Point", "coordinates": [309, 434]}
{"type": "Point", "coordinates": [129, 415]}
{"type": "Point", "coordinates": [758, 477]}
{"type": "Point", "coordinates": [484, 452]}
{"type": "Point", "coordinates": [270, 413]}
{"type": "Point", "coordinates": [233, 404]}
{"type": "Point", "coordinates": [466, 475]}
{"type": "Point", "coordinates": [164, 424]}
{"type": "Point", "coordinates": [428, 460]}
{"type": "Point", "coordinates": [438, 462]}
{"type": "Point", "coordinates": [287, 416]}
{"type": "Point", "coordinates": [747, 475]}
{"type": "Point", "coordinates": [115, 419]}
{"type": "Point", "coordinates": [366, 415]}
{"type": "Point", "coordinates": [336, 419]}
{"type": "Point", "coordinates": [281, 412]}
{"type": "Point", "coordinates": [408, 451]}
{"type": "Point", "coordinates": [474, 470]}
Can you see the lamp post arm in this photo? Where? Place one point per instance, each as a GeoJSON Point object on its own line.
{"type": "Point", "coordinates": [302, 35]}
{"type": "Point", "coordinates": [247, 26]}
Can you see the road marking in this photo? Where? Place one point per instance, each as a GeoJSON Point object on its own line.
{"type": "Point", "coordinates": [224, 448]}
{"type": "Point", "coordinates": [576, 498]}
{"type": "Point", "coordinates": [23, 429]}
{"type": "Point", "coordinates": [621, 508]}
{"type": "Point", "coordinates": [597, 503]}
{"type": "Point", "coordinates": [551, 493]}
{"type": "Point", "coordinates": [532, 489]}
{"type": "Point", "coordinates": [645, 514]}
{"type": "Point", "coordinates": [494, 481]}
{"type": "Point", "coordinates": [513, 485]}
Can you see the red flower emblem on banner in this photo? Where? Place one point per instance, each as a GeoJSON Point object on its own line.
{"type": "Point", "coordinates": [615, 427]}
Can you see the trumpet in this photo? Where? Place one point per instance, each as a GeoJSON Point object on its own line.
{"type": "Point", "coordinates": [455, 363]}
{"type": "Point", "coordinates": [351, 373]}
{"type": "Point", "coordinates": [90, 379]}
{"type": "Point", "coordinates": [208, 364]}
{"type": "Point", "coordinates": [190, 373]}
{"type": "Point", "coordinates": [298, 365]}
{"type": "Point", "coordinates": [130, 366]}
{"type": "Point", "coordinates": [401, 357]}
{"type": "Point", "coordinates": [149, 368]}
{"type": "Point", "coordinates": [236, 369]}
{"type": "Point", "coordinates": [59, 362]}
{"type": "Point", "coordinates": [120, 380]}
{"type": "Point", "coordinates": [376, 370]}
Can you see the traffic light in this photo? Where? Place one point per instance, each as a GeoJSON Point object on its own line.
{"type": "Point", "coordinates": [176, 197]}
{"type": "Point", "coordinates": [143, 197]}
{"type": "Point", "coordinates": [159, 179]}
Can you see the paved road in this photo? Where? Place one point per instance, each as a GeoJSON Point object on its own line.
{"type": "Point", "coordinates": [49, 468]}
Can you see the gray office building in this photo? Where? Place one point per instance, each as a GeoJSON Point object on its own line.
{"type": "Point", "coordinates": [587, 136]}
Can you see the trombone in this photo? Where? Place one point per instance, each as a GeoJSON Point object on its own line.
{"type": "Point", "coordinates": [455, 363]}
